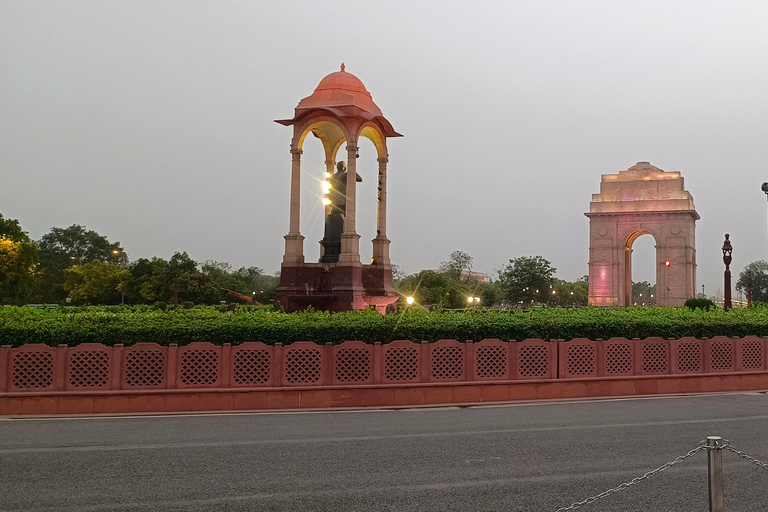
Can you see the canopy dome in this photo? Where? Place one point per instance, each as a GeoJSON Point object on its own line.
{"type": "Point", "coordinates": [340, 89]}
{"type": "Point", "coordinates": [343, 81]}
{"type": "Point", "coordinates": [343, 95]}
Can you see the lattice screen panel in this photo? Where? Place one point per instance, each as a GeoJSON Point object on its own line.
{"type": "Point", "coordinates": [199, 368]}
{"type": "Point", "coordinates": [721, 355]}
{"type": "Point", "coordinates": [447, 362]}
{"type": "Point", "coordinates": [689, 357]}
{"type": "Point", "coordinates": [32, 370]}
{"type": "Point", "coordinates": [302, 366]}
{"type": "Point", "coordinates": [401, 364]}
{"type": "Point", "coordinates": [251, 367]}
{"type": "Point", "coordinates": [752, 354]}
{"type": "Point", "coordinates": [534, 361]}
{"type": "Point", "coordinates": [353, 365]}
{"type": "Point", "coordinates": [618, 358]}
{"type": "Point", "coordinates": [581, 360]}
{"type": "Point", "coordinates": [491, 361]}
{"type": "Point", "coordinates": [655, 358]}
{"type": "Point", "coordinates": [144, 368]}
{"type": "Point", "coordinates": [89, 369]}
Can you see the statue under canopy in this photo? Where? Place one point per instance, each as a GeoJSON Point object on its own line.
{"type": "Point", "coordinates": [334, 220]}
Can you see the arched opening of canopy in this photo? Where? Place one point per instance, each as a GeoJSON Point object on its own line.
{"type": "Point", "coordinates": [640, 269]}
{"type": "Point", "coordinates": [371, 132]}
{"type": "Point", "coordinates": [367, 206]}
{"type": "Point", "coordinates": [324, 128]}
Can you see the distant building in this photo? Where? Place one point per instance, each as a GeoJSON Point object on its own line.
{"type": "Point", "coordinates": [466, 275]}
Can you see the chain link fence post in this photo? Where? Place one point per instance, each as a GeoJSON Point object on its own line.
{"type": "Point", "coordinates": [715, 471]}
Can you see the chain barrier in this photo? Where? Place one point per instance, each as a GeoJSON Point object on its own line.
{"type": "Point", "coordinates": [634, 481]}
{"type": "Point", "coordinates": [726, 445]}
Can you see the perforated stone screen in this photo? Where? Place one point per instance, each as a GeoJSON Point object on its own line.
{"type": "Point", "coordinates": [721, 355]}
{"type": "Point", "coordinates": [144, 368]}
{"type": "Point", "coordinates": [752, 354]}
{"type": "Point", "coordinates": [533, 361]}
{"type": "Point", "coordinates": [491, 361]}
{"type": "Point", "coordinates": [447, 362]}
{"type": "Point", "coordinates": [655, 356]}
{"type": "Point", "coordinates": [251, 367]}
{"type": "Point", "coordinates": [199, 367]}
{"type": "Point", "coordinates": [33, 370]}
{"type": "Point", "coordinates": [401, 364]}
{"type": "Point", "coordinates": [689, 357]}
{"type": "Point", "coordinates": [353, 365]}
{"type": "Point", "coordinates": [618, 358]}
{"type": "Point", "coordinates": [581, 360]}
{"type": "Point", "coordinates": [89, 369]}
{"type": "Point", "coordinates": [302, 366]}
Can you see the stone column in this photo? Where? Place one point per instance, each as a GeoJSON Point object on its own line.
{"type": "Point", "coordinates": [294, 242]}
{"type": "Point", "coordinates": [381, 243]}
{"type": "Point", "coordinates": [350, 240]}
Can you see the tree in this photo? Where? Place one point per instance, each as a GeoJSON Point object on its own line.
{"type": "Point", "coordinates": [157, 280]}
{"type": "Point", "coordinates": [95, 282]}
{"type": "Point", "coordinates": [147, 281]}
{"type": "Point", "coordinates": [62, 248]}
{"type": "Point", "coordinates": [458, 262]}
{"type": "Point", "coordinates": [18, 263]}
{"type": "Point", "coordinates": [11, 229]}
{"type": "Point", "coordinates": [196, 287]}
{"type": "Point", "coordinates": [527, 279]}
{"type": "Point", "coordinates": [754, 277]}
{"type": "Point", "coordinates": [569, 294]}
{"type": "Point", "coordinates": [435, 288]}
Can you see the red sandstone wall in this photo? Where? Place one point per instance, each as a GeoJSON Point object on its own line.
{"type": "Point", "coordinates": [400, 367]}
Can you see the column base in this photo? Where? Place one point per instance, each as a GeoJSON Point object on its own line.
{"type": "Point", "coordinates": [294, 249]}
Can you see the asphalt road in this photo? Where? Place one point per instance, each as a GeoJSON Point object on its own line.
{"type": "Point", "coordinates": [522, 457]}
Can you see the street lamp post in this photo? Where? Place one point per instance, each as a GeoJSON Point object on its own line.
{"type": "Point", "coordinates": [764, 188]}
{"type": "Point", "coordinates": [727, 251]}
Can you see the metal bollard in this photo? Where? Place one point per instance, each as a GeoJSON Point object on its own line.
{"type": "Point", "coordinates": [715, 467]}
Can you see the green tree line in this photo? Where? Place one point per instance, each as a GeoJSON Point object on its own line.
{"type": "Point", "coordinates": [81, 265]}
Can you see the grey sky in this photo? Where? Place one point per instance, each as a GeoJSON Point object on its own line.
{"type": "Point", "coordinates": [152, 122]}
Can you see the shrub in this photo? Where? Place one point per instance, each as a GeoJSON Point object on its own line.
{"type": "Point", "coordinates": [704, 304]}
{"type": "Point", "coordinates": [162, 306]}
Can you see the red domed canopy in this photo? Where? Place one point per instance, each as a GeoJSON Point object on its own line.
{"type": "Point", "coordinates": [344, 95]}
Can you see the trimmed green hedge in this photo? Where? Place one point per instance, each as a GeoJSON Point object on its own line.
{"type": "Point", "coordinates": [128, 325]}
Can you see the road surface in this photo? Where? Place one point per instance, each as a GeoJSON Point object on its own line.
{"type": "Point", "coordinates": [526, 457]}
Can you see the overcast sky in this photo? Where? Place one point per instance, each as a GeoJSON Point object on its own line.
{"type": "Point", "coordinates": [151, 122]}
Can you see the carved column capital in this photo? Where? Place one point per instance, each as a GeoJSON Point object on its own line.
{"type": "Point", "coordinates": [351, 148]}
{"type": "Point", "coordinates": [383, 160]}
{"type": "Point", "coordinates": [296, 153]}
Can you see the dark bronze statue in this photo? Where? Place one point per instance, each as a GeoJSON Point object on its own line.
{"type": "Point", "coordinates": [334, 221]}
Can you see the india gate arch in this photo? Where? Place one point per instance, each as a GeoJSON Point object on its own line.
{"type": "Point", "coordinates": [339, 112]}
{"type": "Point", "coordinates": [638, 201]}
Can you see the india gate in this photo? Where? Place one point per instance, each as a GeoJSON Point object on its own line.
{"type": "Point", "coordinates": [339, 112]}
{"type": "Point", "coordinates": [638, 201]}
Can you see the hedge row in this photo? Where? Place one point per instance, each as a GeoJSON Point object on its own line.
{"type": "Point", "coordinates": [129, 325]}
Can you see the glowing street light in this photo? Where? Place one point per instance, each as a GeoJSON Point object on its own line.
{"type": "Point", "coordinates": [409, 300]}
